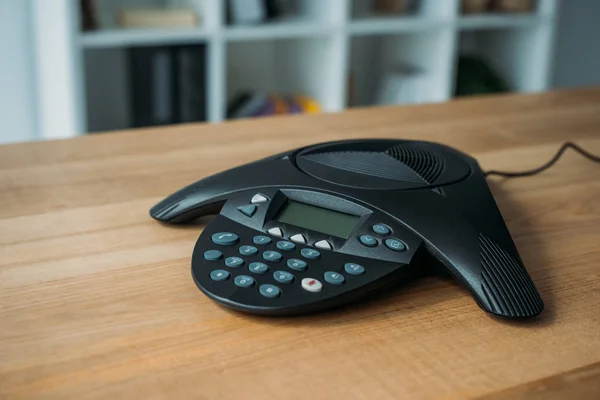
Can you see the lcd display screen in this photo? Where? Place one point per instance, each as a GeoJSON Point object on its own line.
{"type": "Point", "coordinates": [318, 219]}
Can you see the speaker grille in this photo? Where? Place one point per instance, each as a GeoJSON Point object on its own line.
{"type": "Point", "coordinates": [367, 163]}
{"type": "Point", "coordinates": [427, 165]}
{"type": "Point", "coordinates": [506, 284]}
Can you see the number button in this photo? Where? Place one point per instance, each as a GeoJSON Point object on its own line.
{"type": "Point", "coordinates": [219, 275]}
{"type": "Point", "coordinates": [368, 240]}
{"type": "Point", "coordinates": [225, 238]}
{"type": "Point", "coordinates": [297, 265]}
{"type": "Point", "coordinates": [272, 256]}
{"type": "Point", "coordinates": [248, 250]}
{"type": "Point", "coordinates": [381, 229]}
{"type": "Point", "coordinates": [244, 281]}
{"type": "Point", "coordinates": [234, 262]}
{"type": "Point", "coordinates": [285, 245]}
{"type": "Point", "coordinates": [261, 240]}
{"type": "Point", "coordinates": [270, 291]}
{"type": "Point", "coordinates": [354, 269]}
{"type": "Point", "coordinates": [258, 268]}
{"type": "Point", "coordinates": [334, 278]}
{"type": "Point", "coordinates": [213, 255]}
{"type": "Point", "coordinates": [311, 254]}
{"type": "Point", "coordinates": [283, 277]}
{"type": "Point", "coordinates": [395, 244]}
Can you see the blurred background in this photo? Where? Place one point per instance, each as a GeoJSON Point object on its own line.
{"type": "Point", "coordinates": [74, 67]}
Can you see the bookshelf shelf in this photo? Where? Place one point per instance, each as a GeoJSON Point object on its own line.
{"type": "Point", "coordinates": [338, 52]}
{"type": "Point", "coordinates": [384, 25]}
{"type": "Point", "coordinates": [286, 28]}
{"type": "Point", "coordinates": [498, 21]}
{"type": "Point", "coordinates": [130, 37]}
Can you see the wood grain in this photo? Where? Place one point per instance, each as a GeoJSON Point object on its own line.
{"type": "Point", "coordinates": [96, 299]}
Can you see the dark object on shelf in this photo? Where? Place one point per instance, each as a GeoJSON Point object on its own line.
{"type": "Point", "coordinates": [88, 15]}
{"type": "Point", "coordinates": [512, 6]}
{"type": "Point", "coordinates": [167, 84]}
{"type": "Point", "coordinates": [191, 64]}
{"type": "Point", "coordinates": [475, 76]}
{"type": "Point", "coordinates": [273, 9]}
{"type": "Point", "coordinates": [475, 6]}
{"type": "Point", "coordinates": [246, 12]}
{"type": "Point", "coordinates": [391, 6]}
{"type": "Point", "coordinates": [247, 104]}
{"type": "Point", "coordinates": [328, 224]}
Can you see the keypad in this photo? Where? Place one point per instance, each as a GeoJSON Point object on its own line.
{"type": "Point", "coordinates": [213, 255]}
{"type": "Point", "coordinates": [258, 268]}
{"type": "Point", "coordinates": [219, 275]}
{"type": "Point", "coordinates": [297, 265]}
{"type": "Point", "coordinates": [261, 240]}
{"type": "Point", "coordinates": [354, 269]}
{"type": "Point", "coordinates": [248, 250]}
{"type": "Point", "coordinates": [285, 245]}
{"type": "Point", "coordinates": [270, 291]}
{"type": "Point", "coordinates": [225, 238]}
{"type": "Point", "coordinates": [395, 244]}
{"type": "Point", "coordinates": [272, 256]}
{"type": "Point", "coordinates": [368, 240]}
{"type": "Point", "coordinates": [335, 278]}
{"type": "Point", "coordinates": [247, 274]}
{"type": "Point", "coordinates": [234, 262]}
{"type": "Point", "coordinates": [311, 254]}
{"type": "Point", "coordinates": [244, 281]}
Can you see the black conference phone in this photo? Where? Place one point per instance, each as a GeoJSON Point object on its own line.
{"type": "Point", "coordinates": [327, 224]}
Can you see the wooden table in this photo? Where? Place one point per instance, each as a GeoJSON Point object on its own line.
{"type": "Point", "coordinates": [96, 299]}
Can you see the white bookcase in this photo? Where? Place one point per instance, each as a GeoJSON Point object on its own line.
{"type": "Point", "coordinates": [312, 51]}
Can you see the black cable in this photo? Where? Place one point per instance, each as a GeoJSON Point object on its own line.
{"type": "Point", "coordinates": [550, 163]}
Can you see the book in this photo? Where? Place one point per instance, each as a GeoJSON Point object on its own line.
{"type": "Point", "coordinates": [168, 84]}
{"type": "Point", "coordinates": [191, 62]}
{"type": "Point", "coordinates": [157, 18]}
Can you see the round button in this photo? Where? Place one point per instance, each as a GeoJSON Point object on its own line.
{"type": "Point", "coordinates": [213, 255]}
{"type": "Point", "coordinates": [311, 285]}
{"type": "Point", "coordinates": [258, 267]}
{"type": "Point", "coordinates": [234, 262]}
{"type": "Point", "coordinates": [297, 265]}
{"type": "Point", "coordinates": [311, 254]}
{"type": "Point", "coordinates": [248, 250]}
{"type": "Point", "coordinates": [335, 278]}
{"type": "Point", "coordinates": [395, 244]}
{"type": "Point", "coordinates": [244, 281]}
{"type": "Point", "coordinates": [219, 275]}
{"type": "Point", "coordinates": [283, 277]}
{"type": "Point", "coordinates": [285, 245]}
{"type": "Point", "coordinates": [272, 256]}
{"type": "Point", "coordinates": [368, 240]}
{"type": "Point", "coordinates": [381, 229]}
{"type": "Point", "coordinates": [261, 239]}
{"type": "Point", "coordinates": [354, 269]}
{"type": "Point", "coordinates": [225, 238]}
{"type": "Point", "coordinates": [270, 291]}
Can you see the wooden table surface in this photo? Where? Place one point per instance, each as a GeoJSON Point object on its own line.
{"type": "Point", "coordinates": [97, 301]}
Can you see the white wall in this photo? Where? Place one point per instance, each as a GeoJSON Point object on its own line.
{"type": "Point", "coordinates": [577, 52]}
{"type": "Point", "coordinates": [18, 112]}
